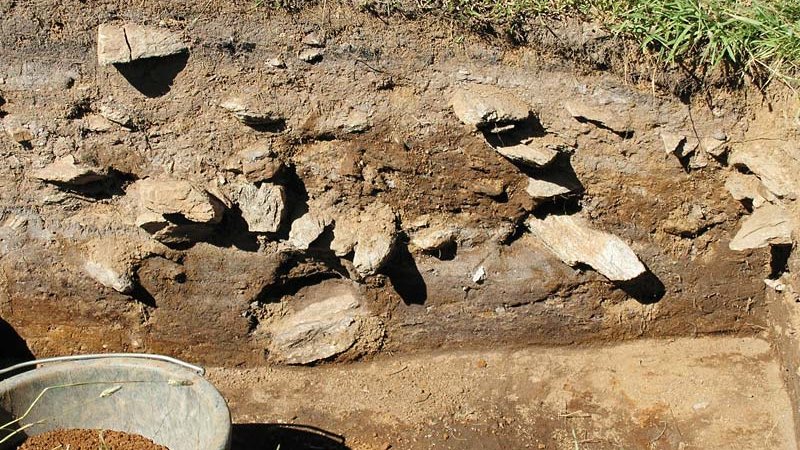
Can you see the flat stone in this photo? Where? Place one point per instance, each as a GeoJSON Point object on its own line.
{"type": "Point", "coordinates": [574, 241]}
{"type": "Point", "coordinates": [311, 55]}
{"type": "Point", "coordinates": [483, 106]}
{"type": "Point", "coordinates": [529, 154]}
{"type": "Point", "coordinates": [263, 207]}
{"type": "Point", "coordinates": [326, 327]}
{"type": "Point", "coordinates": [546, 190]}
{"type": "Point", "coordinates": [249, 114]}
{"type": "Point", "coordinates": [167, 197]}
{"type": "Point", "coordinates": [601, 114]}
{"type": "Point", "coordinates": [777, 166]}
{"type": "Point", "coordinates": [767, 225]}
{"type": "Point", "coordinates": [120, 44]}
{"type": "Point", "coordinates": [433, 237]}
{"type": "Point", "coordinates": [66, 171]}
{"type": "Point", "coordinates": [748, 188]}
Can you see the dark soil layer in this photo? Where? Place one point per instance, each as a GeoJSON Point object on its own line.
{"type": "Point", "coordinates": [80, 439]}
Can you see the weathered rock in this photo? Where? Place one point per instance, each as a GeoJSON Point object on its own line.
{"type": "Point", "coordinates": [277, 63]}
{"type": "Point", "coordinates": [326, 327]}
{"type": "Point", "coordinates": [492, 187]}
{"type": "Point", "coordinates": [311, 55]}
{"type": "Point", "coordinates": [249, 114]}
{"type": "Point", "coordinates": [117, 114]}
{"type": "Point", "coordinates": [112, 262]}
{"type": "Point", "coordinates": [768, 225]}
{"type": "Point", "coordinates": [263, 207]}
{"type": "Point", "coordinates": [18, 134]}
{"type": "Point", "coordinates": [600, 114]}
{"type": "Point", "coordinates": [776, 166]}
{"type": "Point", "coordinates": [109, 277]}
{"type": "Point", "coordinates": [574, 241]}
{"type": "Point", "coordinates": [672, 141]}
{"type": "Point", "coordinates": [257, 162]}
{"type": "Point", "coordinates": [97, 123]}
{"type": "Point", "coordinates": [66, 171]}
{"type": "Point", "coordinates": [372, 237]}
{"type": "Point", "coordinates": [748, 188]}
{"type": "Point", "coordinates": [120, 44]}
{"type": "Point", "coordinates": [376, 239]}
{"type": "Point", "coordinates": [528, 154]}
{"type": "Point", "coordinates": [307, 229]}
{"type": "Point", "coordinates": [689, 220]}
{"type": "Point", "coordinates": [179, 197]}
{"type": "Point", "coordinates": [545, 190]}
{"type": "Point", "coordinates": [483, 106]}
{"type": "Point", "coordinates": [714, 145]}
{"type": "Point", "coordinates": [314, 39]}
{"type": "Point", "coordinates": [433, 237]}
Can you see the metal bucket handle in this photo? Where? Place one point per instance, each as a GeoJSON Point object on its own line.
{"type": "Point", "coordinates": [36, 362]}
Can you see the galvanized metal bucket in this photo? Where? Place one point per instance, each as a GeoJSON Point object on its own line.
{"type": "Point", "coordinates": [163, 399]}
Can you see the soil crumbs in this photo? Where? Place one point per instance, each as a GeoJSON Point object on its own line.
{"type": "Point", "coordinates": [81, 439]}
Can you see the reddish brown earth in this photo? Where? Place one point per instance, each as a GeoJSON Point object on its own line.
{"type": "Point", "coordinates": [76, 439]}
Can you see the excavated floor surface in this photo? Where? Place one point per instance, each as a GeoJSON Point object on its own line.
{"type": "Point", "coordinates": [707, 393]}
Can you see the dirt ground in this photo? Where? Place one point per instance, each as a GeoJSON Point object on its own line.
{"type": "Point", "coordinates": [651, 394]}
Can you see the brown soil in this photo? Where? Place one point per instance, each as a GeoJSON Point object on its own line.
{"type": "Point", "coordinates": [80, 439]}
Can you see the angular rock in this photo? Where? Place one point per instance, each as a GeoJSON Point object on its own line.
{"type": "Point", "coordinates": [546, 190]}
{"type": "Point", "coordinates": [748, 188]}
{"type": "Point", "coordinates": [277, 63]}
{"type": "Point", "coordinates": [492, 187]}
{"type": "Point", "coordinates": [714, 146]}
{"type": "Point", "coordinates": [307, 229]}
{"type": "Point", "coordinates": [528, 154]}
{"type": "Point", "coordinates": [66, 171]}
{"type": "Point", "coordinates": [574, 241]}
{"type": "Point", "coordinates": [345, 234]}
{"type": "Point", "coordinates": [250, 115]}
{"type": "Point", "coordinates": [672, 141]}
{"type": "Point", "coordinates": [263, 207]}
{"type": "Point", "coordinates": [320, 330]}
{"type": "Point", "coordinates": [602, 115]}
{"type": "Point", "coordinates": [97, 123]}
{"type": "Point", "coordinates": [311, 55]}
{"type": "Point", "coordinates": [109, 277]}
{"type": "Point", "coordinates": [776, 166]}
{"type": "Point", "coordinates": [768, 225]}
{"type": "Point", "coordinates": [120, 44]}
{"type": "Point", "coordinates": [314, 39]}
{"type": "Point", "coordinates": [371, 236]}
{"type": "Point", "coordinates": [433, 238]}
{"type": "Point", "coordinates": [179, 197]}
{"type": "Point", "coordinates": [117, 115]}
{"type": "Point", "coordinates": [19, 134]}
{"type": "Point", "coordinates": [483, 106]}
{"type": "Point", "coordinates": [257, 162]}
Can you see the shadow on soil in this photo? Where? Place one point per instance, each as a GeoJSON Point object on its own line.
{"type": "Point", "coordinates": [153, 77]}
{"type": "Point", "coordinates": [269, 436]}
{"type": "Point", "coordinates": [13, 348]}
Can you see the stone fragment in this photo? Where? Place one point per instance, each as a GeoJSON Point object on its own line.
{"type": "Point", "coordinates": [179, 197]}
{"type": "Point", "coordinates": [250, 115]}
{"type": "Point", "coordinates": [257, 162]}
{"type": "Point", "coordinates": [326, 327]}
{"type": "Point", "coordinates": [574, 241]}
{"type": "Point", "coordinates": [307, 229]}
{"type": "Point", "coordinates": [66, 171]}
{"type": "Point", "coordinates": [376, 239]}
{"type": "Point", "coordinates": [277, 63]}
{"type": "Point", "coordinates": [767, 225]}
{"type": "Point", "coordinates": [483, 106]}
{"type": "Point", "coordinates": [263, 207]}
{"type": "Point", "coordinates": [433, 238]}
{"type": "Point", "coordinates": [311, 55]}
{"type": "Point", "coordinates": [714, 146]}
{"type": "Point", "coordinates": [314, 39]}
{"type": "Point", "coordinates": [748, 188]}
{"type": "Point", "coordinates": [479, 276]}
{"type": "Point", "coordinates": [546, 190]}
{"type": "Point", "coordinates": [19, 134]}
{"type": "Point", "coordinates": [97, 123]}
{"type": "Point", "coordinates": [528, 154]}
{"type": "Point", "coordinates": [689, 220]}
{"type": "Point", "coordinates": [776, 166]}
{"type": "Point", "coordinates": [120, 44]}
{"type": "Point", "coordinates": [672, 141]}
{"type": "Point", "coordinates": [109, 276]}
{"type": "Point", "coordinates": [117, 115]}
{"type": "Point", "coordinates": [602, 115]}
{"type": "Point", "coordinates": [492, 187]}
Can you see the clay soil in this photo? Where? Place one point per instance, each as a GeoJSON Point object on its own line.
{"type": "Point", "coordinates": [80, 439]}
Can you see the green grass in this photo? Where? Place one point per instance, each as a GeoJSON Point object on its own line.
{"type": "Point", "coordinates": [759, 38]}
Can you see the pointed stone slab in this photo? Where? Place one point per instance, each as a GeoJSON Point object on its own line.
{"type": "Point", "coordinates": [482, 106]}
{"type": "Point", "coordinates": [120, 44]}
{"type": "Point", "coordinates": [574, 241]}
{"type": "Point", "coordinates": [777, 167]}
{"type": "Point", "coordinates": [768, 225]}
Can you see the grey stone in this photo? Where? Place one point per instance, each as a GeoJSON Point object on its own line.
{"type": "Point", "coordinates": [307, 229]}
{"type": "Point", "coordinates": [311, 55]}
{"type": "Point", "coordinates": [66, 171]}
{"type": "Point", "coordinates": [529, 154]}
{"type": "Point", "coordinates": [263, 207]}
{"type": "Point", "coordinates": [119, 44]}
{"type": "Point", "coordinates": [748, 188]}
{"type": "Point", "coordinates": [166, 197]}
{"type": "Point", "coordinates": [249, 114]}
{"type": "Point", "coordinates": [776, 166]}
{"type": "Point", "coordinates": [767, 225]}
{"type": "Point", "coordinates": [326, 327]}
{"type": "Point", "coordinates": [371, 235]}
{"type": "Point", "coordinates": [574, 241]}
{"type": "Point", "coordinates": [483, 106]}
